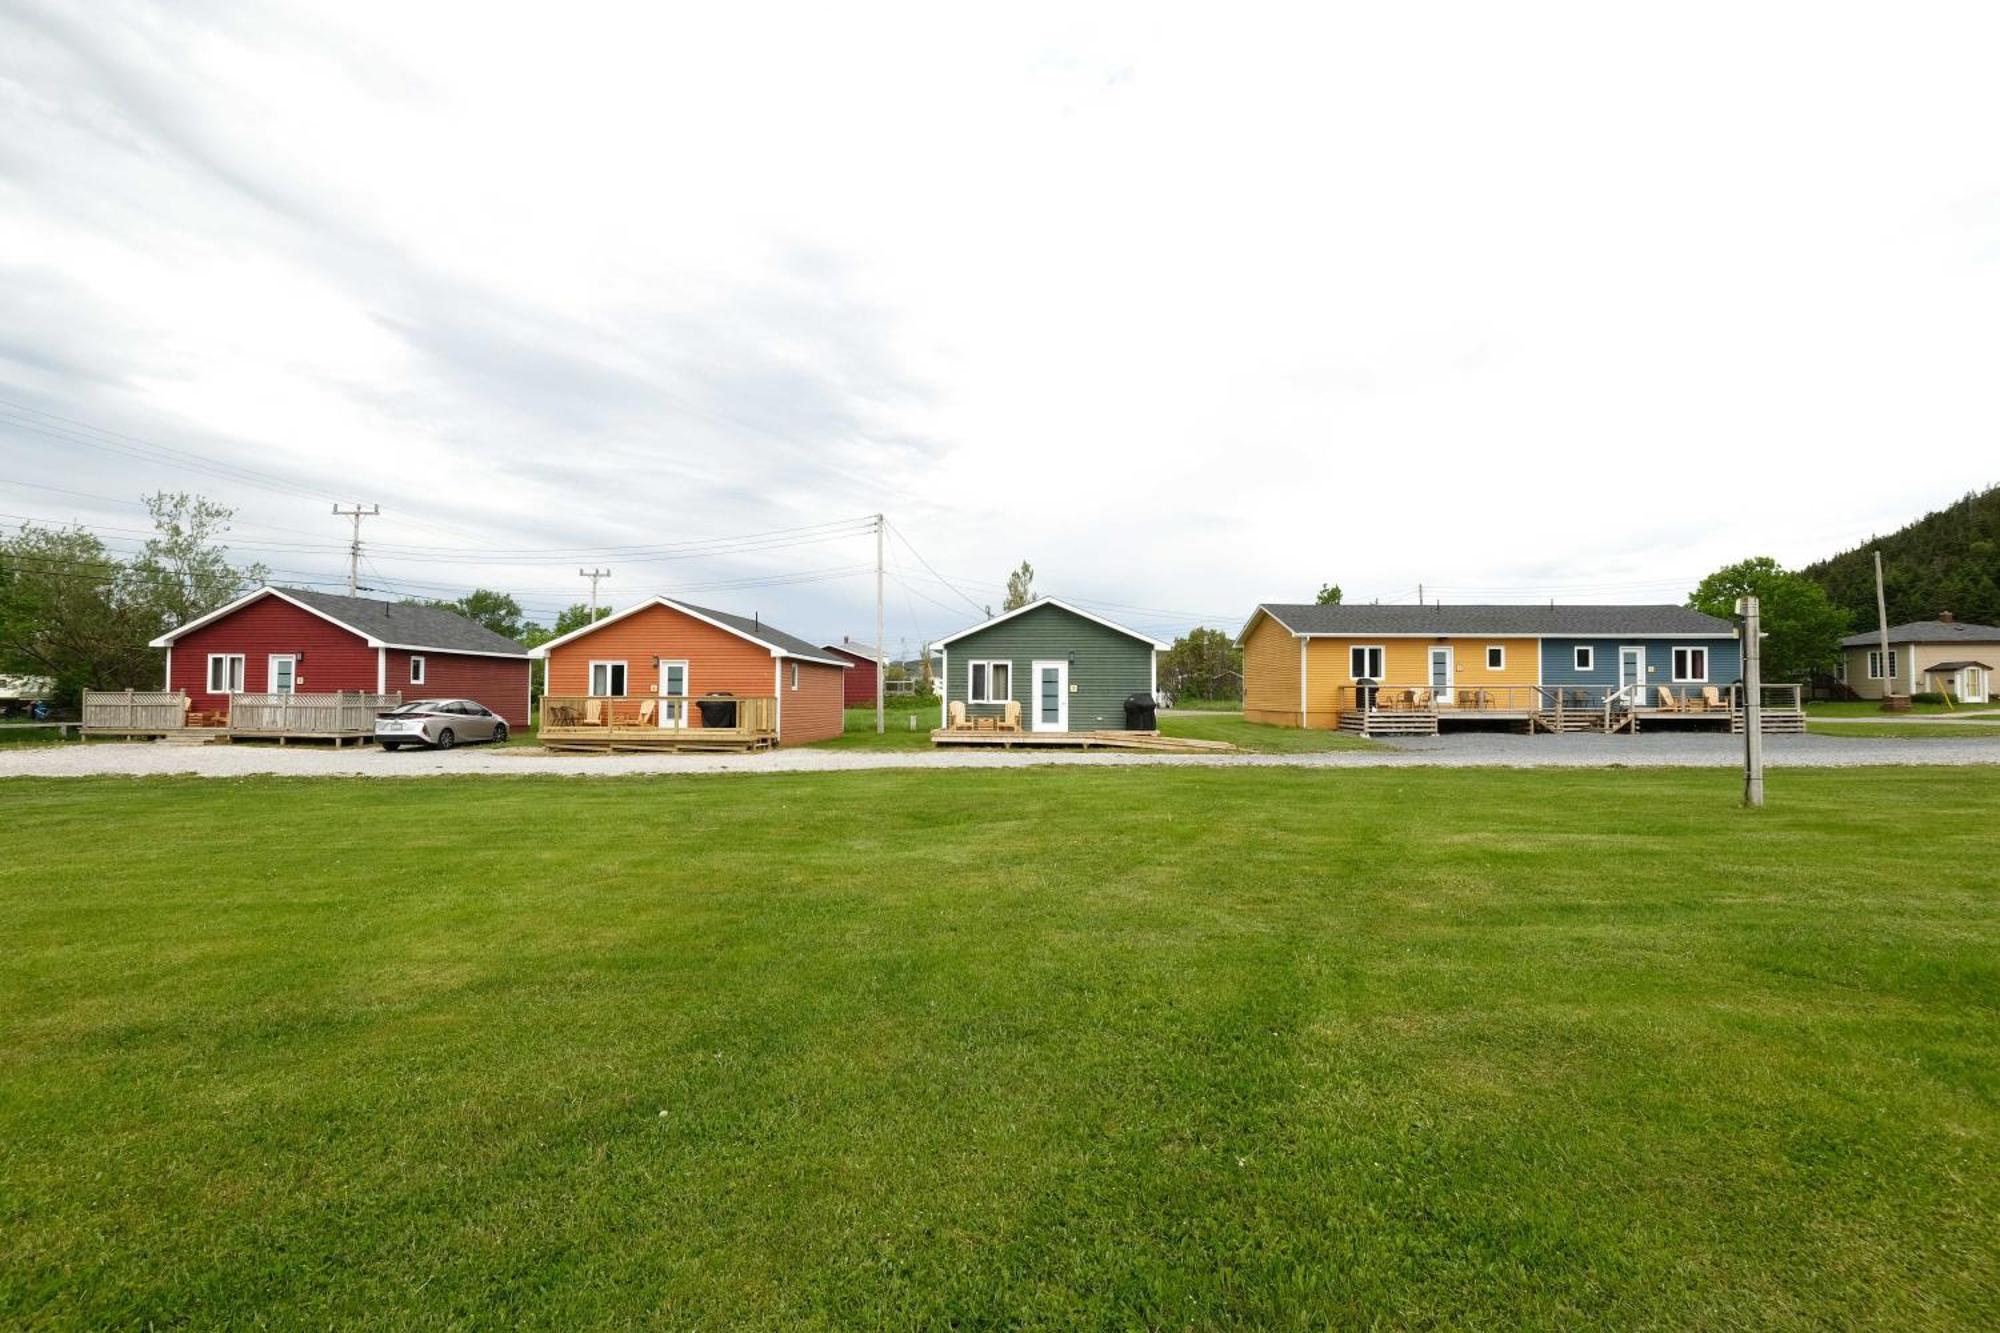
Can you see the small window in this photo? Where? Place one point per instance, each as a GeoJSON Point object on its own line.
{"type": "Point", "coordinates": [989, 682]}
{"type": "Point", "coordinates": [1586, 658]}
{"type": "Point", "coordinates": [1690, 665]}
{"type": "Point", "coordinates": [1364, 663]}
{"type": "Point", "coordinates": [1875, 664]}
{"type": "Point", "coordinates": [607, 679]}
{"type": "Point", "coordinates": [795, 675]}
{"type": "Point", "coordinates": [416, 671]}
{"type": "Point", "coordinates": [1496, 657]}
{"type": "Point", "coordinates": [225, 673]}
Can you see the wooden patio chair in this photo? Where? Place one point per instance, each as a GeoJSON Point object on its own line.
{"type": "Point", "coordinates": [1669, 702]}
{"type": "Point", "coordinates": [1010, 717]}
{"type": "Point", "coordinates": [647, 710]}
{"type": "Point", "coordinates": [955, 716]}
{"type": "Point", "coordinates": [1711, 698]}
{"type": "Point", "coordinates": [593, 712]}
{"type": "Point", "coordinates": [1422, 699]}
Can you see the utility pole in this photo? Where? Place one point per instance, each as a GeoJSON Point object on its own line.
{"type": "Point", "coordinates": [881, 665]}
{"type": "Point", "coordinates": [1882, 626]}
{"type": "Point", "coordinates": [593, 575]}
{"type": "Point", "coordinates": [357, 513]}
{"type": "Point", "coordinates": [1753, 704]}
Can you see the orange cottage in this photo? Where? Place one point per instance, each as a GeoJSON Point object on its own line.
{"type": "Point", "coordinates": [681, 668]}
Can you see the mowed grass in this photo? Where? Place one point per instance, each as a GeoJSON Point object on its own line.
{"type": "Point", "coordinates": [1056, 1048]}
{"type": "Point", "coordinates": [1903, 731]}
{"type": "Point", "coordinates": [1260, 738]}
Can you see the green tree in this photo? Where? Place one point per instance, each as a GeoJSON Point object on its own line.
{"type": "Point", "coordinates": [67, 613]}
{"type": "Point", "coordinates": [1020, 588]}
{"type": "Point", "coordinates": [1203, 664]}
{"type": "Point", "coordinates": [1802, 626]}
{"type": "Point", "coordinates": [184, 569]}
{"type": "Point", "coordinates": [1328, 594]}
{"type": "Point", "coordinates": [497, 611]}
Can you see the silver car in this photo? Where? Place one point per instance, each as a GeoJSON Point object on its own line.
{"type": "Point", "coordinates": [438, 723]}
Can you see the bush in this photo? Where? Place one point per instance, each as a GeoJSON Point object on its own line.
{"type": "Point", "coordinates": [1930, 697]}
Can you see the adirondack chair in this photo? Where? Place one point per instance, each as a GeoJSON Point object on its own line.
{"type": "Point", "coordinates": [647, 709]}
{"type": "Point", "coordinates": [1711, 698]}
{"type": "Point", "coordinates": [1669, 702]}
{"type": "Point", "coordinates": [956, 716]}
{"type": "Point", "coordinates": [1010, 717]}
{"type": "Point", "coordinates": [593, 712]}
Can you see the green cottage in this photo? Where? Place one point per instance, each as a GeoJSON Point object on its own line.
{"type": "Point", "coordinates": [1067, 669]}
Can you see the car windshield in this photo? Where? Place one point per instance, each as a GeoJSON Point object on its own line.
{"type": "Point", "coordinates": [420, 706]}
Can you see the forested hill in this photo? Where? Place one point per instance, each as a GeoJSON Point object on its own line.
{"type": "Point", "coordinates": [1946, 561]}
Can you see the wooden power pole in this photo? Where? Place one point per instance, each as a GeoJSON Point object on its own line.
{"type": "Point", "coordinates": [1753, 703]}
{"type": "Point", "coordinates": [881, 665]}
{"type": "Point", "coordinates": [1882, 627]}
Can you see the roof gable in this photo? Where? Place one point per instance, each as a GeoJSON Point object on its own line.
{"type": "Point", "coordinates": [776, 641]}
{"type": "Point", "coordinates": [380, 624]}
{"type": "Point", "coordinates": [1044, 603]}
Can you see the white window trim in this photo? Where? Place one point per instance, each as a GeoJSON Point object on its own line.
{"type": "Point", "coordinates": [271, 672]}
{"type": "Point", "coordinates": [237, 675]}
{"type": "Point", "coordinates": [795, 675]}
{"type": "Point", "coordinates": [1491, 649]}
{"type": "Point", "coordinates": [1673, 661]}
{"type": "Point", "coordinates": [672, 714]}
{"type": "Point", "coordinates": [1583, 657]}
{"type": "Point", "coordinates": [989, 663]}
{"type": "Point", "coordinates": [1035, 669]}
{"type": "Point", "coordinates": [1875, 664]}
{"type": "Point", "coordinates": [1381, 656]}
{"type": "Point", "coordinates": [418, 668]}
{"type": "Point", "coordinates": [623, 667]}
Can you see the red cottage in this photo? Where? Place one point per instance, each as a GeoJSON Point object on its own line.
{"type": "Point", "coordinates": [858, 686]}
{"type": "Point", "coordinates": [287, 640]}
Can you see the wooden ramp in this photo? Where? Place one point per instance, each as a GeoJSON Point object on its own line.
{"type": "Point", "coordinates": [1151, 742]}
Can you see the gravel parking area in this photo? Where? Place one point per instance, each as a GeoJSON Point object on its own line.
{"type": "Point", "coordinates": [1463, 750]}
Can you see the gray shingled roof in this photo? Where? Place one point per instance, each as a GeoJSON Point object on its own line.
{"type": "Point", "coordinates": [791, 645]}
{"type": "Point", "coordinates": [1583, 622]}
{"type": "Point", "coordinates": [408, 626]}
{"type": "Point", "coordinates": [1926, 631]}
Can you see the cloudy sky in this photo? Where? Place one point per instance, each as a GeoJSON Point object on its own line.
{"type": "Point", "coordinates": [1192, 308]}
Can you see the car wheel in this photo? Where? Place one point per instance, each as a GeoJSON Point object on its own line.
{"type": "Point", "coordinates": [500, 734]}
{"type": "Point", "coordinates": [446, 740]}
{"type": "Point", "coordinates": [390, 746]}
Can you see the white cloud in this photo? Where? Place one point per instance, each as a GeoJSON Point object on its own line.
{"type": "Point", "coordinates": [1192, 308]}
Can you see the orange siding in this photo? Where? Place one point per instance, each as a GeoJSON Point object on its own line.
{"type": "Point", "coordinates": [1271, 674]}
{"type": "Point", "coordinates": [1407, 662]}
{"type": "Point", "coordinates": [812, 712]}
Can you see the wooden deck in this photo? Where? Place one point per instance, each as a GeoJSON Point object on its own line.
{"type": "Point", "coordinates": [1401, 710]}
{"type": "Point", "coordinates": [574, 724]}
{"type": "Point", "coordinates": [165, 715]}
{"type": "Point", "coordinates": [1149, 741]}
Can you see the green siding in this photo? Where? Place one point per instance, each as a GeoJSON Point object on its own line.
{"type": "Point", "coordinates": [1105, 665]}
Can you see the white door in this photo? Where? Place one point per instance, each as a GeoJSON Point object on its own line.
{"type": "Point", "coordinates": [1441, 675]}
{"type": "Point", "coordinates": [1051, 701]}
{"type": "Point", "coordinates": [673, 681]}
{"type": "Point", "coordinates": [1972, 685]}
{"type": "Point", "coordinates": [284, 673]}
{"type": "Point", "coordinates": [1632, 676]}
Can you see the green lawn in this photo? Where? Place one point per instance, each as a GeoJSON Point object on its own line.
{"type": "Point", "coordinates": [1208, 705]}
{"type": "Point", "coordinates": [1901, 731]}
{"type": "Point", "coordinates": [1138, 1048]}
{"type": "Point", "coordinates": [907, 729]}
{"type": "Point", "coordinates": [1831, 708]}
{"type": "Point", "coordinates": [12, 735]}
{"type": "Point", "coordinates": [1262, 739]}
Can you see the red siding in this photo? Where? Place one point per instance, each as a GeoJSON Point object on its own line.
{"type": "Point", "coordinates": [334, 658]}
{"type": "Point", "coordinates": [859, 679]}
{"type": "Point", "coordinates": [501, 683]}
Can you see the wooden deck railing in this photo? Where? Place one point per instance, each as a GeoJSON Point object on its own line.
{"type": "Point", "coordinates": [1517, 699]}
{"type": "Point", "coordinates": [134, 710]}
{"type": "Point", "coordinates": [581, 715]}
{"type": "Point", "coordinates": [346, 714]}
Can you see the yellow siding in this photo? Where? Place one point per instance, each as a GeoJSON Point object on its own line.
{"type": "Point", "coordinates": [1407, 662]}
{"type": "Point", "coordinates": [1271, 674]}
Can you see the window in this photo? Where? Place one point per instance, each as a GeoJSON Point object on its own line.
{"type": "Point", "coordinates": [1586, 658]}
{"type": "Point", "coordinates": [225, 673]}
{"type": "Point", "coordinates": [607, 679]}
{"type": "Point", "coordinates": [282, 674]}
{"type": "Point", "coordinates": [795, 675]}
{"type": "Point", "coordinates": [1364, 663]}
{"type": "Point", "coordinates": [1496, 657]}
{"type": "Point", "coordinates": [1690, 664]}
{"type": "Point", "coordinates": [416, 671]}
{"type": "Point", "coordinates": [989, 682]}
{"type": "Point", "coordinates": [1874, 664]}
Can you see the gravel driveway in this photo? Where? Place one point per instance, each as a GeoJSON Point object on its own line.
{"type": "Point", "coordinates": [1464, 750]}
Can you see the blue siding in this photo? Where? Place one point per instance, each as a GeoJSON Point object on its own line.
{"type": "Point", "coordinates": [1725, 660]}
